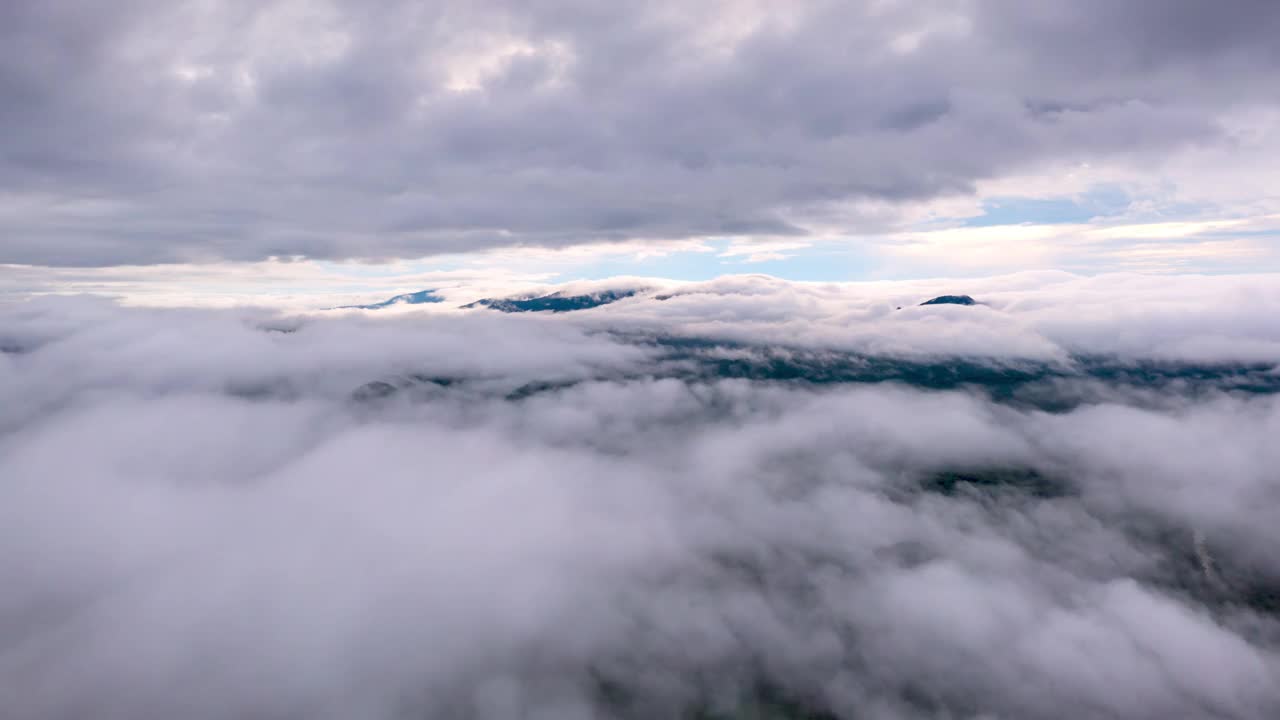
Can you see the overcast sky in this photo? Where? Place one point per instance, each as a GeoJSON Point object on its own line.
{"type": "Point", "coordinates": [814, 140]}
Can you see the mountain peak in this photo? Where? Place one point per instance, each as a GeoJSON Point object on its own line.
{"type": "Point", "coordinates": [420, 297]}
{"type": "Point", "coordinates": [555, 302]}
{"type": "Point", "coordinates": [951, 300]}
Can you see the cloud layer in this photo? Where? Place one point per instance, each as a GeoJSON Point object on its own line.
{"type": "Point", "coordinates": [198, 518]}
{"type": "Point", "coordinates": [152, 132]}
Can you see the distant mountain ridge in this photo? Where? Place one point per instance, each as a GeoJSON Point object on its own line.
{"type": "Point", "coordinates": [421, 297]}
{"type": "Point", "coordinates": [951, 300]}
{"type": "Point", "coordinates": [561, 301]}
{"type": "Point", "coordinates": [1045, 386]}
{"type": "Point", "coordinates": [555, 302]}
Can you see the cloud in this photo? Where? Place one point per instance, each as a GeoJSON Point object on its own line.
{"type": "Point", "coordinates": [1042, 315]}
{"type": "Point", "coordinates": [188, 132]}
{"type": "Point", "coordinates": [762, 251]}
{"type": "Point", "coordinates": [1236, 245]}
{"type": "Point", "coordinates": [562, 520]}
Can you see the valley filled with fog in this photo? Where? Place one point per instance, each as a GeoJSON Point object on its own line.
{"type": "Point", "coordinates": [739, 498]}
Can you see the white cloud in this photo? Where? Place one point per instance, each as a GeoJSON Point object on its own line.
{"type": "Point", "coordinates": [763, 250]}
{"type": "Point", "coordinates": [331, 130]}
{"type": "Point", "coordinates": [192, 504]}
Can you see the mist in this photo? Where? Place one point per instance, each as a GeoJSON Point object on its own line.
{"type": "Point", "coordinates": [595, 515]}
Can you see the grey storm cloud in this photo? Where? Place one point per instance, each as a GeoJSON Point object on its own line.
{"type": "Point", "coordinates": [145, 132]}
{"type": "Point", "coordinates": [200, 518]}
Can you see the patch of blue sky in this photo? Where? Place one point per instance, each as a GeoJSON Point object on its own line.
{"type": "Point", "coordinates": [678, 265]}
{"type": "Point", "coordinates": [359, 270]}
{"type": "Point", "coordinates": [1231, 234]}
{"type": "Point", "coordinates": [1177, 211]}
{"type": "Point", "coordinates": [820, 262]}
{"type": "Point", "coordinates": [1100, 201]}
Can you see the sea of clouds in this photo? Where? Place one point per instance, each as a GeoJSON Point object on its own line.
{"type": "Point", "coordinates": [554, 516]}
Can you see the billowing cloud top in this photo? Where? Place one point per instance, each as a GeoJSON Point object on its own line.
{"type": "Point", "coordinates": [140, 131]}
{"type": "Point", "coordinates": [670, 505]}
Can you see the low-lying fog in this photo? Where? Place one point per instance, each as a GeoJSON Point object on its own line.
{"type": "Point", "coordinates": [729, 502]}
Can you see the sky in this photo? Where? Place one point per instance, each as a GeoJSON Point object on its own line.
{"type": "Point", "coordinates": [740, 465]}
{"type": "Point", "coordinates": [221, 151]}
